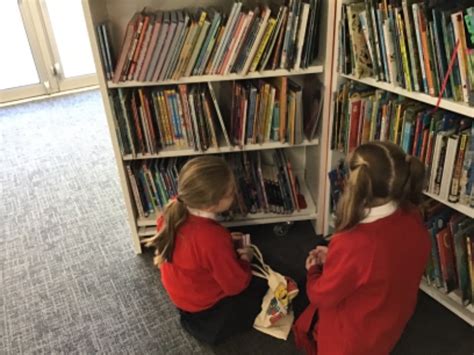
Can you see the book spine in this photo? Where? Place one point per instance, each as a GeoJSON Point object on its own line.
{"type": "Point", "coordinates": [454, 191]}
{"type": "Point", "coordinates": [416, 10]}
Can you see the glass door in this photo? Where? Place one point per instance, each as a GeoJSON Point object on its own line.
{"type": "Point", "coordinates": [22, 69]}
{"type": "Point", "coordinates": [66, 28]}
{"type": "Point", "coordinates": [47, 48]}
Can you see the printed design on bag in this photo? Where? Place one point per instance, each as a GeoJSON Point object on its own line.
{"type": "Point", "coordinates": [275, 311]}
{"type": "Point", "coordinates": [283, 295]}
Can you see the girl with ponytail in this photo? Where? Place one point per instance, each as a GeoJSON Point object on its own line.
{"type": "Point", "coordinates": [208, 280]}
{"type": "Point", "coordinates": [364, 286]}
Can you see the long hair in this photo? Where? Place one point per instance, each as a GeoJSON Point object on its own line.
{"type": "Point", "coordinates": [202, 183]}
{"type": "Point", "coordinates": [378, 171]}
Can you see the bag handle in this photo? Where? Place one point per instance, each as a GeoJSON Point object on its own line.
{"type": "Point", "coordinates": [261, 269]}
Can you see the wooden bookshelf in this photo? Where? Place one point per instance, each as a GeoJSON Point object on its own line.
{"type": "Point", "coordinates": [308, 157]}
{"type": "Point", "coordinates": [465, 210]}
{"type": "Point", "coordinates": [450, 301]}
{"type": "Point", "coordinates": [446, 104]}
{"type": "Point", "coordinates": [147, 225]}
{"type": "Point", "coordinates": [316, 69]}
{"type": "Point", "coordinates": [168, 153]}
{"type": "Point", "coordinates": [310, 212]}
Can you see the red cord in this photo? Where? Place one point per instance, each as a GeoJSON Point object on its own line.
{"type": "Point", "coordinates": [446, 77]}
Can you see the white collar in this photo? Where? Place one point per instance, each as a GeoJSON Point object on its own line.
{"type": "Point", "coordinates": [379, 212]}
{"type": "Point", "coordinates": [201, 213]}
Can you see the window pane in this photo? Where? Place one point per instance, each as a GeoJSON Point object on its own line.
{"type": "Point", "coordinates": [17, 67]}
{"type": "Point", "coordinates": [70, 32]}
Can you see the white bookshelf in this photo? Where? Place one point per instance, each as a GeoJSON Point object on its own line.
{"type": "Point", "coordinates": [168, 153]}
{"type": "Point", "coordinates": [466, 210]}
{"type": "Point", "coordinates": [451, 301]}
{"type": "Point", "coordinates": [446, 104]}
{"type": "Point", "coordinates": [309, 157]}
{"type": "Point", "coordinates": [316, 69]}
{"type": "Point", "coordinates": [310, 212]}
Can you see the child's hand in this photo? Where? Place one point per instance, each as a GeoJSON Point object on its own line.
{"type": "Point", "coordinates": [310, 261]}
{"type": "Point", "coordinates": [236, 235]}
{"type": "Point", "coordinates": [319, 254]}
{"type": "Point", "coordinates": [245, 253]}
{"type": "Point", "coordinates": [237, 239]}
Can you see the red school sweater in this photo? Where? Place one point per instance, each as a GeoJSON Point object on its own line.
{"type": "Point", "coordinates": [368, 289]}
{"type": "Point", "coordinates": [204, 267]}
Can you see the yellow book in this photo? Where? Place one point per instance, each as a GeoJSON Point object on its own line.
{"type": "Point", "coordinates": [281, 84]}
{"type": "Point", "coordinates": [261, 48]}
{"type": "Point", "coordinates": [165, 119]}
{"type": "Point", "coordinates": [396, 125]}
{"type": "Point", "coordinates": [263, 117]}
{"type": "Point", "coordinates": [171, 118]}
{"type": "Point", "coordinates": [403, 49]}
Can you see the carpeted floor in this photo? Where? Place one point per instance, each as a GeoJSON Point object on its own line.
{"type": "Point", "coordinates": [69, 280]}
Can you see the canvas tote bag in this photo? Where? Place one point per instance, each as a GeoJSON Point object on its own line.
{"type": "Point", "coordinates": [276, 316]}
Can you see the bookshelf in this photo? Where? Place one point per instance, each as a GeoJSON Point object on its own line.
{"type": "Point", "coordinates": [315, 69]}
{"type": "Point", "coordinates": [451, 300]}
{"type": "Point", "coordinates": [307, 157]}
{"type": "Point", "coordinates": [453, 106]}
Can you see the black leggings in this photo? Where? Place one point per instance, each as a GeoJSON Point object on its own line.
{"type": "Point", "coordinates": [229, 316]}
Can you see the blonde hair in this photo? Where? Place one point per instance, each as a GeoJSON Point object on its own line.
{"type": "Point", "coordinates": [202, 183]}
{"type": "Point", "coordinates": [378, 171]}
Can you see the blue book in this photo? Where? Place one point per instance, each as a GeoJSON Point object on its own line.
{"type": "Point", "coordinates": [251, 111]}
{"type": "Point", "coordinates": [275, 133]}
{"type": "Point", "coordinates": [176, 115]}
{"type": "Point", "coordinates": [382, 44]}
{"type": "Point", "coordinates": [205, 51]}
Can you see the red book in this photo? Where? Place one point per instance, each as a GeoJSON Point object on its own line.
{"type": "Point", "coordinates": [127, 42]}
{"type": "Point", "coordinates": [446, 254]}
{"type": "Point", "coordinates": [150, 49]}
{"type": "Point", "coordinates": [139, 48]}
{"type": "Point", "coordinates": [354, 123]}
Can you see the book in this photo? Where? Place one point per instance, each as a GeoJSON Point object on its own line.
{"type": "Point", "coordinates": [125, 48]}
{"type": "Point", "coordinates": [149, 50]}
{"type": "Point", "coordinates": [218, 113]}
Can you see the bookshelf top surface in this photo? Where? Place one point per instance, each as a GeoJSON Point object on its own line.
{"type": "Point", "coordinates": [168, 153]}
{"type": "Point", "coordinates": [446, 104]}
{"type": "Point", "coordinates": [316, 69]}
{"type": "Point", "coordinates": [466, 210]}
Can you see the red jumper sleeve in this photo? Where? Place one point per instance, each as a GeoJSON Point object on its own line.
{"type": "Point", "coordinates": [232, 274]}
{"type": "Point", "coordinates": [346, 268]}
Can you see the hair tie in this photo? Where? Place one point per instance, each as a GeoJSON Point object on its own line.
{"type": "Point", "coordinates": [179, 199]}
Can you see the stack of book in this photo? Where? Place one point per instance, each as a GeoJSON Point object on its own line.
{"type": "Point", "coordinates": [183, 116]}
{"type": "Point", "coordinates": [153, 183]}
{"type": "Point", "coordinates": [442, 140]}
{"type": "Point", "coordinates": [274, 110]}
{"type": "Point", "coordinates": [265, 183]}
{"type": "Point", "coordinates": [189, 116]}
{"type": "Point", "coordinates": [410, 45]}
{"type": "Point", "coordinates": [451, 263]}
{"type": "Point", "coordinates": [169, 45]}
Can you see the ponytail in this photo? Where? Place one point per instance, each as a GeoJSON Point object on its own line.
{"type": "Point", "coordinates": [174, 215]}
{"type": "Point", "coordinates": [414, 182]}
{"type": "Point", "coordinates": [351, 208]}
{"type": "Point", "coordinates": [197, 189]}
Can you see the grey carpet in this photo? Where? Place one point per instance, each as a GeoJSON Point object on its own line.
{"type": "Point", "coordinates": [69, 280]}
